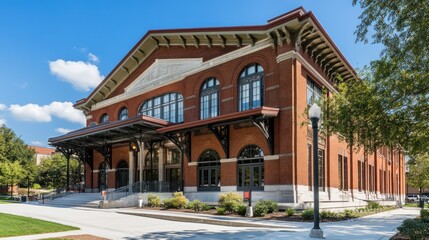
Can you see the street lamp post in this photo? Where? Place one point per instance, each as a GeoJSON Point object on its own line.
{"type": "Point", "coordinates": [314, 114]}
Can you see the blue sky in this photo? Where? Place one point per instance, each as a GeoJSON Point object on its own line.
{"type": "Point", "coordinates": [46, 47]}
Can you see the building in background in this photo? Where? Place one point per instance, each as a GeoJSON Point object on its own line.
{"type": "Point", "coordinates": [42, 153]}
{"type": "Point", "coordinates": [214, 110]}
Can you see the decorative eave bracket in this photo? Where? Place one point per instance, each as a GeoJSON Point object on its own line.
{"type": "Point", "coordinates": [266, 125]}
{"type": "Point", "coordinates": [222, 134]}
{"type": "Point", "coordinates": [182, 140]}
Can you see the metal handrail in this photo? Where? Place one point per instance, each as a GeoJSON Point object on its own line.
{"type": "Point", "coordinates": [52, 195]}
{"type": "Point", "coordinates": [142, 186]}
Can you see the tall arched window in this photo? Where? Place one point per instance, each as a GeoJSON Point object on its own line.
{"type": "Point", "coordinates": [151, 165]}
{"type": "Point", "coordinates": [250, 169]}
{"type": "Point", "coordinates": [209, 171]}
{"type": "Point", "coordinates": [104, 118]}
{"type": "Point", "coordinates": [251, 86]}
{"type": "Point", "coordinates": [168, 107]}
{"type": "Point", "coordinates": [122, 174]}
{"type": "Point", "coordinates": [123, 113]}
{"type": "Point", "coordinates": [209, 101]}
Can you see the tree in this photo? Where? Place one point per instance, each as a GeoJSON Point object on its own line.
{"type": "Point", "coordinates": [51, 173]}
{"type": "Point", "coordinates": [12, 173]}
{"type": "Point", "coordinates": [398, 80]}
{"type": "Point", "coordinates": [418, 176]}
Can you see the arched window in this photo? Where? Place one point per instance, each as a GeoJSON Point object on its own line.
{"type": "Point", "coordinates": [151, 165]}
{"type": "Point", "coordinates": [122, 174]}
{"type": "Point", "coordinates": [209, 171]}
{"type": "Point", "coordinates": [250, 169]}
{"type": "Point", "coordinates": [104, 118]}
{"type": "Point", "coordinates": [251, 86]}
{"type": "Point", "coordinates": [209, 101]}
{"type": "Point", "coordinates": [168, 107]}
{"type": "Point", "coordinates": [123, 113]}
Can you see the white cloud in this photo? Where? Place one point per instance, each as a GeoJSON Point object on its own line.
{"type": "Point", "coordinates": [36, 113]}
{"type": "Point", "coordinates": [2, 107]}
{"type": "Point", "coordinates": [2, 121]}
{"type": "Point", "coordinates": [63, 130]}
{"type": "Point", "coordinates": [37, 143]}
{"type": "Point", "coordinates": [82, 75]}
{"type": "Point", "coordinates": [31, 112]}
{"type": "Point", "coordinates": [92, 58]}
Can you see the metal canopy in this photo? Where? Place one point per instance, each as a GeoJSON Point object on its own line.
{"type": "Point", "coordinates": [128, 130]}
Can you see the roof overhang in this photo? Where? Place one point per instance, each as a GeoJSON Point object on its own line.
{"type": "Point", "coordinates": [231, 118]}
{"type": "Point", "coordinates": [298, 27]}
{"type": "Point", "coordinates": [138, 127]}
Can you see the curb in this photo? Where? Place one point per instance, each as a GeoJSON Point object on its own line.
{"type": "Point", "coordinates": [206, 221]}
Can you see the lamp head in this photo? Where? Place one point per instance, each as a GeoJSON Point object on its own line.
{"type": "Point", "coordinates": [314, 111]}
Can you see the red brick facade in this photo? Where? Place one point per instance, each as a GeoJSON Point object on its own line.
{"type": "Point", "coordinates": [287, 67]}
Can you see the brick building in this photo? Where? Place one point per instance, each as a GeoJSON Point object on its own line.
{"type": "Point", "coordinates": [213, 110]}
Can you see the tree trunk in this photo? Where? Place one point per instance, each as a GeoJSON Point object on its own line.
{"type": "Point", "coordinates": [11, 190]}
{"type": "Point", "coordinates": [421, 202]}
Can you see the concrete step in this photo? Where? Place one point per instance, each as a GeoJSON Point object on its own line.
{"type": "Point", "coordinates": [77, 200]}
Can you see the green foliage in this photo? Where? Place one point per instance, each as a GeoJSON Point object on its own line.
{"type": "Point", "coordinates": [242, 209]}
{"type": "Point", "coordinates": [392, 109]}
{"type": "Point", "coordinates": [36, 186]}
{"type": "Point", "coordinates": [328, 214]}
{"type": "Point", "coordinates": [424, 213]}
{"type": "Point", "coordinates": [177, 201]}
{"type": "Point", "coordinates": [418, 175]}
{"type": "Point", "coordinates": [167, 203]}
{"type": "Point", "coordinates": [153, 200]}
{"type": "Point", "coordinates": [230, 202]}
{"type": "Point", "coordinates": [51, 173]}
{"type": "Point", "coordinates": [349, 213]}
{"type": "Point", "coordinates": [260, 209]}
{"type": "Point", "coordinates": [415, 229]}
{"type": "Point", "coordinates": [220, 210]}
{"type": "Point", "coordinates": [271, 205]}
{"type": "Point", "coordinates": [373, 205]}
{"type": "Point", "coordinates": [308, 214]}
{"type": "Point", "coordinates": [290, 212]}
{"type": "Point", "coordinates": [198, 206]}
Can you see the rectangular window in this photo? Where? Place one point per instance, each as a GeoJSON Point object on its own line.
{"type": "Point", "coordinates": [310, 169]}
{"type": "Point", "coordinates": [340, 172]}
{"type": "Point", "coordinates": [359, 176]}
{"type": "Point", "coordinates": [314, 92]}
{"type": "Point", "coordinates": [346, 175]}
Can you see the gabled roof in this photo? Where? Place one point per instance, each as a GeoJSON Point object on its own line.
{"type": "Point", "coordinates": [297, 27]}
{"type": "Point", "coordinates": [42, 150]}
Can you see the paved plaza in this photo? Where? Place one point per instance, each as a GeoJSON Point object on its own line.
{"type": "Point", "coordinates": [120, 224]}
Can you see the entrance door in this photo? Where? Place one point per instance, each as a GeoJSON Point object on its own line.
{"type": "Point", "coordinates": [122, 174]}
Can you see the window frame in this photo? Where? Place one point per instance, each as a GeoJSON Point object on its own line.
{"type": "Point", "coordinates": [251, 163]}
{"type": "Point", "coordinates": [207, 162]}
{"type": "Point", "coordinates": [123, 112]}
{"type": "Point", "coordinates": [250, 79]}
{"type": "Point", "coordinates": [104, 118]}
{"type": "Point", "coordinates": [159, 108]}
{"type": "Point", "coordinates": [208, 90]}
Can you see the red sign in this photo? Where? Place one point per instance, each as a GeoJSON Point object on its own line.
{"type": "Point", "coordinates": [246, 196]}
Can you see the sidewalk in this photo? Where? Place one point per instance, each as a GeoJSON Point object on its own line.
{"type": "Point", "coordinates": [377, 226]}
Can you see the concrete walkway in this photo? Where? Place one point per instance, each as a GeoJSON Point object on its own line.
{"type": "Point", "coordinates": [130, 224]}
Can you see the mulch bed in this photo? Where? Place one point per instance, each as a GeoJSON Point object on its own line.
{"type": "Point", "coordinates": [82, 237]}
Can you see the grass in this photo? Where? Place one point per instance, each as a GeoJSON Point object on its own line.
{"type": "Point", "coordinates": [12, 225]}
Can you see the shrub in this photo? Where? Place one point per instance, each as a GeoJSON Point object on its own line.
{"type": "Point", "coordinates": [349, 213]}
{"type": "Point", "coordinates": [328, 214]}
{"type": "Point", "coordinates": [178, 200]}
{"type": "Point", "coordinates": [242, 209]}
{"type": "Point", "coordinates": [424, 213]}
{"type": "Point", "coordinates": [414, 229]}
{"type": "Point", "coordinates": [307, 214]}
{"type": "Point", "coordinates": [373, 205]}
{"type": "Point", "coordinates": [272, 206]}
{"type": "Point", "coordinates": [260, 209]}
{"type": "Point", "coordinates": [37, 186]}
{"type": "Point", "coordinates": [290, 212]}
{"type": "Point", "coordinates": [167, 203]}
{"type": "Point", "coordinates": [230, 202]}
{"type": "Point", "coordinates": [198, 206]}
{"type": "Point", "coordinates": [220, 210]}
{"type": "Point", "coordinates": [153, 200]}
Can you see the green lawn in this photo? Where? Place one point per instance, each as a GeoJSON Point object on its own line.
{"type": "Point", "coordinates": [12, 225]}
